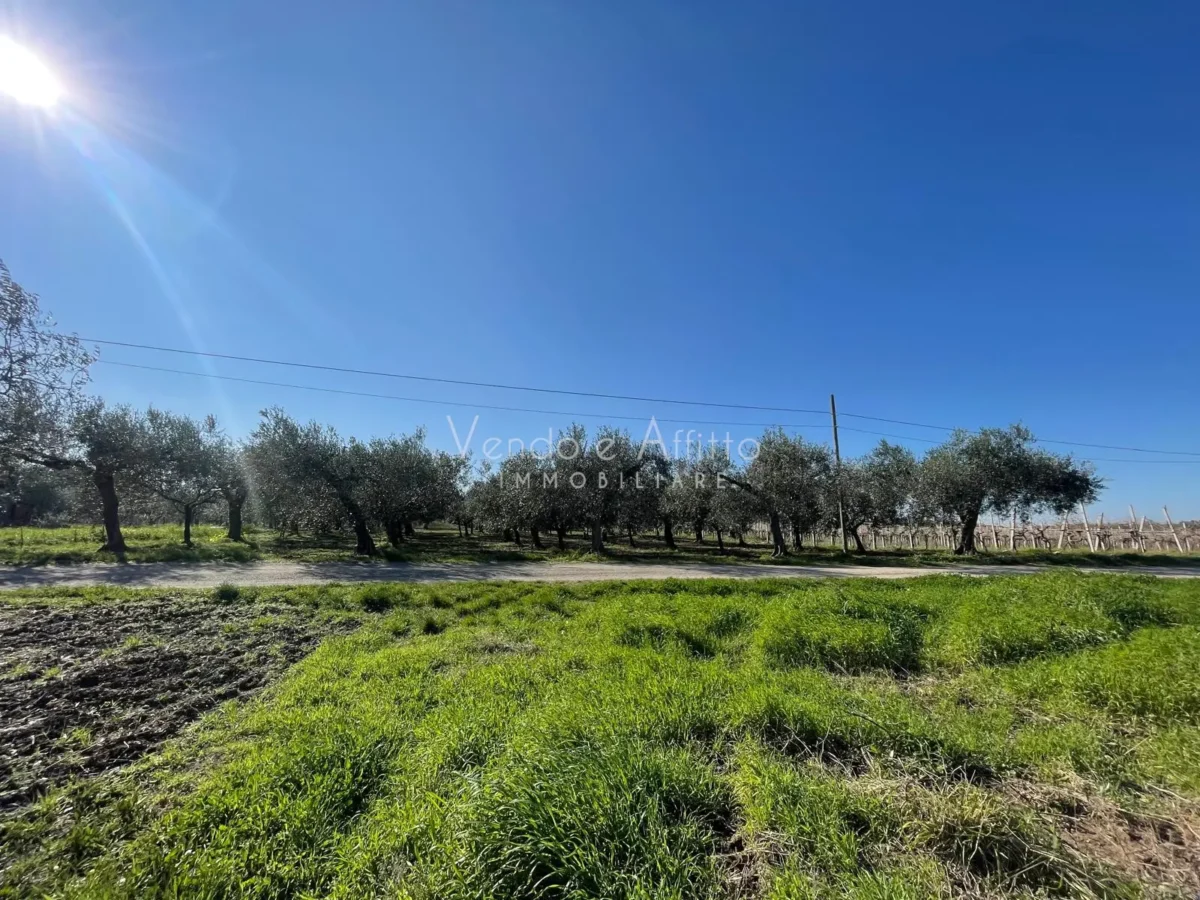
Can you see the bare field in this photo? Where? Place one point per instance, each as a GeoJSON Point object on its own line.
{"type": "Point", "coordinates": [86, 688]}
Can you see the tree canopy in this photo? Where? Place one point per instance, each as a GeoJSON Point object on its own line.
{"type": "Point", "coordinates": [999, 470]}
{"type": "Point", "coordinates": [42, 377]}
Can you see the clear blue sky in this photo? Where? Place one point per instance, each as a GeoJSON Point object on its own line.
{"type": "Point", "coordinates": [953, 213]}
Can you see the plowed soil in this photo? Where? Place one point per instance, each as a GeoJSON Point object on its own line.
{"type": "Point", "coordinates": [87, 688]}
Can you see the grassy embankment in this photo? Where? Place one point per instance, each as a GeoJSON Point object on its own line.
{"type": "Point", "coordinates": [1002, 737]}
{"type": "Point", "coordinates": [163, 543]}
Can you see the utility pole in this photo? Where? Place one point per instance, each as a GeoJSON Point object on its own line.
{"type": "Point", "coordinates": [837, 456]}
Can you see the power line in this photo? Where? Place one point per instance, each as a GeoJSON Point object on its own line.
{"type": "Point", "coordinates": [555, 412]}
{"type": "Point", "coordinates": [541, 390]}
{"type": "Point", "coordinates": [435, 380]}
{"type": "Point", "coordinates": [1037, 440]}
{"type": "Point", "coordinates": [521, 409]}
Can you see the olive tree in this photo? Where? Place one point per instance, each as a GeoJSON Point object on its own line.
{"type": "Point", "coordinates": [692, 495]}
{"type": "Point", "coordinates": [443, 495]}
{"type": "Point", "coordinates": [788, 476]}
{"type": "Point", "coordinates": [183, 463]}
{"type": "Point", "coordinates": [406, 482]}
{"type": "Point", "coordinates": [482, 499]}
{"type": "Point", "coordinates": [876, 490]}
{"type": "Point", "coordinates": [999, 470]}
{"type": "Point", "coordinates": [561, 510]}
{"type": "Point", "coordinates": [736, 508]}
{"type": "Point", "coordinates": [233, 477]}
{"type": "Point", "coordinates": [42, 376]}
{"type": "Point", "coordinates": [522, 498]}
{"type": "Point", "coordinates": [642, 492]}
{"type": "Point", "coordinates": [315, 463]}
{"type": "Point", "coordinates": [109, 443]}
{"type": "Point", "coordinates": [34, 495]}
{"type": "Point", "coordinates": [597, 471]}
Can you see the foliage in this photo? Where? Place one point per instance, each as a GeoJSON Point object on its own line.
{"type": "Point", "coordinates": [790, 478]}
{"type": "Point", "coordinates": [646, 740]}
{"type": "Point", "coordinates": [42, 376]}
{"type": "Point", "coordinates": [184, 463]}
{"type": "Point", "coordinates": [408, 482]}
{"type": "Point", "coordinates": [876, 490]}
{"type": "Point", "coordinates": [315, 467]}
{"type": "Point", "coordinates": [693, 499]}
{"type": "Point", "coordinates": [597, 483]}
{"type": "Point", "coordinates": [32, 494]}
{"type": "Point", "coordinates": [997, 470]}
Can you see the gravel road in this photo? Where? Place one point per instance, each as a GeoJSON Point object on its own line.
{"type": "Point", "coordinates": [201, 575]}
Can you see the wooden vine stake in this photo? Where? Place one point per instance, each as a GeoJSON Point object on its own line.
{"type": "Point", "coordinates": [1135, 531]}
{"type": "Point", "coordinates": [1171, 525]}
{"type": "Point", "coordinates": [1087, 528]}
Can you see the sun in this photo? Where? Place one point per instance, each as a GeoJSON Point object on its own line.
{"type": "Point", "coordinates": [26, 78]}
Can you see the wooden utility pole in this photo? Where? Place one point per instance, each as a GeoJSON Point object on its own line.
{"type": "Point", "coordinates": [837, 456]}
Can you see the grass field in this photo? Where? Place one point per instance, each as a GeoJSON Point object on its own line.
{"type": "Point", "coordinates": [1009, 737]}
{"type": "Point", "coordinates": [441, 543]}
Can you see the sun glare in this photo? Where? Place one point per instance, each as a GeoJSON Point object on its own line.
{"type": "Point", "coordinates": [25, 78]}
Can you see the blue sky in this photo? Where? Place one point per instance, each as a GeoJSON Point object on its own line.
{"type": "Point", "coordinates": [951, 213]}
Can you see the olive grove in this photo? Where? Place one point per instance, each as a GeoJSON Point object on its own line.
{"type": "Point", "coordinates": [65, 454]}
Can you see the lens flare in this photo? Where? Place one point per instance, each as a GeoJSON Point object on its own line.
{"type": "Point", "coordinates": [26, 78]}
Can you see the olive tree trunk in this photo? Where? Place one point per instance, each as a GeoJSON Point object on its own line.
{"type": "Point", "coordinates": [106, 484]}
{"type": "Point", "coordinates": [779, 545]}
{"type": "Point", "coordinates": [668, 533]}
{"type": "Point", "coordinates": [235, 520]}
{"type": "Point", "coordinates": [364, 544]}
{"type": "Point", "coordinates": [395, 532]}
{"type": "Point", "coordinates": [966, 537]}
{"type": "Point", "coordinates": [859, 546]}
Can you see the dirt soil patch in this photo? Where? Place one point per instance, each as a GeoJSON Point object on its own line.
{"type": "Point", "coordinates": [87, 688]}
{"type": "Point", "coordinates": [1158, 850]}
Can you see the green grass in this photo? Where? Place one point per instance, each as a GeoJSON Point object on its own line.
{"type": "Point", "coordinates": [147, 543]}
{"type": "Point", "coordinates": [660, 739]}
{"type": "Point", "coordinates": [442, 543]}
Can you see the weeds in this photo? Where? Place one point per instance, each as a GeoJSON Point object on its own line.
{"type": "Point", "coordinates": [699, 739]}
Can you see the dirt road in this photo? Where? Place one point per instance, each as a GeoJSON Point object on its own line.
{"type": "Point", "coordinates": [211, 574]}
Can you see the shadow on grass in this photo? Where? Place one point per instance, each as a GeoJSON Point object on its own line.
{"type": "Point", "coordinates": [439, 544]}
